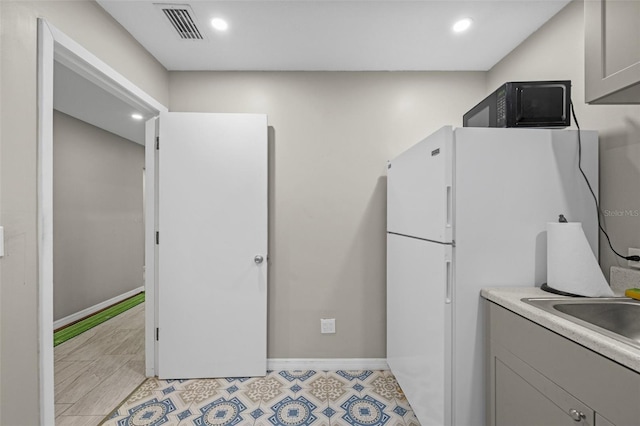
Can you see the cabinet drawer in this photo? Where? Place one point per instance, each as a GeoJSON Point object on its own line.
{"type": "Point", "coordinates": [524, 397]}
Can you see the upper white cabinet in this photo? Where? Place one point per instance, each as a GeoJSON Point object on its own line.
{"type": "Point", "coordinates": [612, 51]}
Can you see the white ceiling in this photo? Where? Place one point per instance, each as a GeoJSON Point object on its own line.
{"type": "Point", "coordinates": [365, 35]}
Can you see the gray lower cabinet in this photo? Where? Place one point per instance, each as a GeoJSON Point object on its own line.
{"type": "Point", "coordinates": [612, 51]}
{"type": "Point", "coordinates": [536, 377]}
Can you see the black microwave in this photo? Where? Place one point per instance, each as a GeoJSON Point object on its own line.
{"type": "Point", "coordinates": [524, 104]}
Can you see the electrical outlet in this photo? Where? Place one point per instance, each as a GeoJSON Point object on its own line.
{"type": "Point", "coordinates": [327, 325]}
{"type": "Point", "coordinates": [634, 252]}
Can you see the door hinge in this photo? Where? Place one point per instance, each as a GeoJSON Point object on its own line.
{"type": "Point", "coordinates": [157, 333]}
{"type": "Point", "coordinates": [157, 237]}
{"type": "Point", "coordinates": [157, 142]}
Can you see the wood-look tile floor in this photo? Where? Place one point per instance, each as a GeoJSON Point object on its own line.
{"type": "Point", "coordinates": [98, 369]}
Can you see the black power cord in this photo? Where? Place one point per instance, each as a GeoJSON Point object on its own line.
{"type": "Point", "coordinates": [634, 258]}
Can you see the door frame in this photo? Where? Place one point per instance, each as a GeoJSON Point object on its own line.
{"type": "Point", "coordinates": [54, 45]}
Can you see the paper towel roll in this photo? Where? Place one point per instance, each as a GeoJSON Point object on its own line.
{"type": "Point", "coordinates": [571, 265]}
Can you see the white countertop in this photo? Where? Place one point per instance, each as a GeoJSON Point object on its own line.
{"type": "Point", "coordinates": [510, 298]}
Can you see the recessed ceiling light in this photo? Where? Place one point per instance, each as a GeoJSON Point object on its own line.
{"type": "Point", "coordinates": [219, 24]}
{"type": "Point", "coordinates": [462, 25]}
{"type": "Point", "coordinates": [137, 116]}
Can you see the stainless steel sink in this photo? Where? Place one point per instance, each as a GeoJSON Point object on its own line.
{"type": "Point", "coordinates": [618, 318]}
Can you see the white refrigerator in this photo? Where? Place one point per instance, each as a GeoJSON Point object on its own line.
{"type": "Point", "coordinates": [466, 209]}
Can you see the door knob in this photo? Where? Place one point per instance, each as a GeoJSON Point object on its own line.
{"type": "Point", "coordinates": [258, 259]}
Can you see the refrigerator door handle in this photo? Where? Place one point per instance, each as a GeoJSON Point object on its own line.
{"type": "Point", "coordinates": [449, 206]}
{"type": "Point", "coordinates": [447, 295]}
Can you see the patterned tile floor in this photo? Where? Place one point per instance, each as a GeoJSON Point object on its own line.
{"type": "Point", "coordinates": [288, 398]}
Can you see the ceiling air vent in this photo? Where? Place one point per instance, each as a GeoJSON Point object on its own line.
{"type": "Point", "coordinates": [181, 18]}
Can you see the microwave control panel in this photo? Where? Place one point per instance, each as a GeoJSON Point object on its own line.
{"type": "Point", "coordinates": [501, 108]}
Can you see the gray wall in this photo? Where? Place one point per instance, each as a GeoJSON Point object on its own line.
{"type": "Point", "coordinates": [98, 231]}
{"type": "Point", "coordinates": [332, 133]}
{"type": "Point", "coordinates": [556, 51]}
{"type": "Point", "coordinates": [92, 27]}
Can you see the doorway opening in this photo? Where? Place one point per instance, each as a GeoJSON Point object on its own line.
{"type": "Point", "coordinates": [96, 79]}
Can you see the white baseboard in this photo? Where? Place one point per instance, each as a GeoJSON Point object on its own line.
{"type": "Point", "coordinates": [327, 364]}
{"type": "Point", "coordinates": [95, 308]}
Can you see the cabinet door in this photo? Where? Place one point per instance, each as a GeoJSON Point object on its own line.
{"type": "Point", "coordinates": [601, 421]}
{"type": "Point", "coordinates": [612, 51]}
{"type": "Point", "coordinates": [524, 397]}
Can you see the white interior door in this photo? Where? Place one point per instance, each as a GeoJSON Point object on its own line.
{"type": "Point", "coordinates": [212, 221]}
